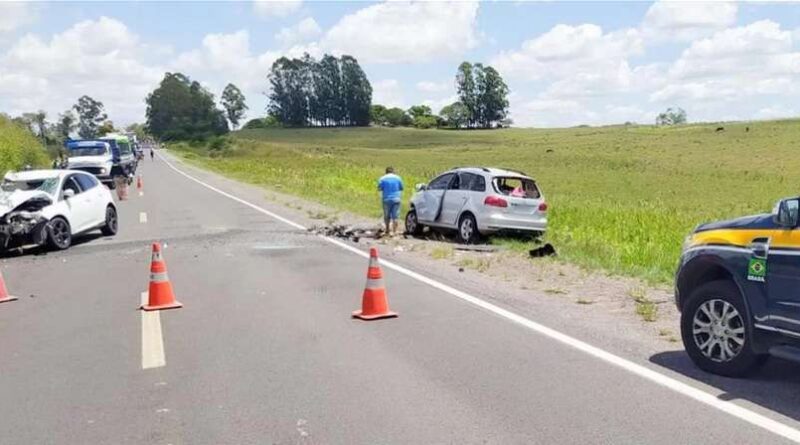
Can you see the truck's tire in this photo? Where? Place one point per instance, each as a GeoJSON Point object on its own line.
{"type": "Point", "coordinates": [111, 225]}
{"type": "Point", "coordinates": [59, 234]}
{"type": "Point", "coordinates": [716, 332]}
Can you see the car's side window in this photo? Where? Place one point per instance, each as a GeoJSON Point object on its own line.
{"type": "Point", "coordinates": [71, 184]}
{"type": "Point", "coordinates": [478, 184]}
{"type": "Point", "coordinates": [466, 180]}
{"type": "Point", "coordinates": [441, 182]}
{"type": "Point", "coordinates": [86, 182]}
{"type": "Point", "coordinates": [455, 183]}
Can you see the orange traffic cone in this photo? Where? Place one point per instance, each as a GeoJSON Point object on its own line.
{"type": "Point", "coordinates": [374, 304]}
{"type": "Point", "coordinates": [4, 292]}
{"type": "Point", "coordinates": [160, 293]}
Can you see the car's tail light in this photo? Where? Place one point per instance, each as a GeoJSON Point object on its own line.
{"type": "Point", "coordinates": [495, 201]}
{"type": "Point", "coordinates": [543, 207]}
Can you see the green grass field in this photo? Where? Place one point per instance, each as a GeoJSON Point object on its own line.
{"type": "Point", "coordinates": [622, 199]}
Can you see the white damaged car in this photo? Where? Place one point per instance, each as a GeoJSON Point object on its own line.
{"type": "Point", "coordinates": [51, 207]}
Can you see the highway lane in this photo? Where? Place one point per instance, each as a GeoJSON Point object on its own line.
{"type": "Point", "coordinates": [264, 350]}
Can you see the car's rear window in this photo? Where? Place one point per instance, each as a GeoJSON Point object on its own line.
{"type": "Point", "coordinates": [516, 187]}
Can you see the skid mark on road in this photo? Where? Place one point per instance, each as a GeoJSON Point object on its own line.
{"type": "Point", "coordinates": [663, 380]}
{"type": "Point", "coordinates": [152, 338]}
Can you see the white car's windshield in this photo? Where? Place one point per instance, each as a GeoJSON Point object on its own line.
{"type": "Point", "coordinates": [47, 185]}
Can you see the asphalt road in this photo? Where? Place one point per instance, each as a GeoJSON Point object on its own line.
{"type": "Point", "coordinates": [265, 352]}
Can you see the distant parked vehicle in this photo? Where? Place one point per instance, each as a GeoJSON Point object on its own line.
{"type": "Point", "coordinates": [51, 207]}
{"type": "Point", "coordinates": [94, 156]}
{"type": "Point", "coordinates": [477, 201]}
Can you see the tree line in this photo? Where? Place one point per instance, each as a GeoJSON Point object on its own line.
{"type": "Point", "coordinates": [306, 92]}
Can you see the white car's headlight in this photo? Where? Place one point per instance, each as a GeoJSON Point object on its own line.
{"type": "Point", "coordinates": [102, 171]}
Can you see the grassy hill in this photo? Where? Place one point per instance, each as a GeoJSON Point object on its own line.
{"type": "Point", "coordinates": [622, 198]}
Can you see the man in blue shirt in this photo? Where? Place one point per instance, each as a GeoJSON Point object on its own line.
{"type": "Point", "coordinates": [391, 187]}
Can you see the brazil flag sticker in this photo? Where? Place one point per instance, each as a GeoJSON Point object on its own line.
{"type": "Point", "coordinates": [757, 269]}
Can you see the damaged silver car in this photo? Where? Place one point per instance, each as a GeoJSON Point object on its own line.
{"type": "Point", "coordinates": [51, 206]}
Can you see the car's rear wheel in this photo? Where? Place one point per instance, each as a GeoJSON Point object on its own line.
{"type": "Point", "coordinates": [413, 227]}
{"type": "Point", "coordinates": [111, 225]}
{"type": "Point", "coordinates": [715, 331]}
{"type": "Point", "coordinates": [468, 229]}
{"type": "Point", "coordinates": [59, 233]}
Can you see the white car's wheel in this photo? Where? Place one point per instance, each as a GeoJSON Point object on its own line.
{"type": "Point", "coordinates": [59, 233]}
{"type": "Point", "coordinates": [468, 229]}
{"type": "Point", "coordinates": [413, 227]}
{"type": "Point", "coordinates": [111, 225]}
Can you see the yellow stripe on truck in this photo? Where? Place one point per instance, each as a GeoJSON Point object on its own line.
{"type": "Point", "coordinates": [743, 237]}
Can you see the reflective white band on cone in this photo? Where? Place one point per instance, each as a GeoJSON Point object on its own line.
{"type": "Point", "coordinates": [158, 277]}
{"type": "Point", "coordinates": [375, 284]}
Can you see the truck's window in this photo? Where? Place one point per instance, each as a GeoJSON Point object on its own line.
{"type": "Point", "coordinates": [441, 182]}
{"type": "Point", "coordinates": [88, 151]}
{"type": "Point", "coordinates": [516, 187]}
{"type": "Point", "coordinates": [124, 148]}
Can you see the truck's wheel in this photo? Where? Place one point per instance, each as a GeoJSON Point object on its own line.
{"type": "Point", "coordinates": [59, 233]}
{"type": "Point", "coordinates": [715, 331]}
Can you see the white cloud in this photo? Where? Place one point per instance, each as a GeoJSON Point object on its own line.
{"type": "Point", "coordinates": [687, 20]}
{"type": "Point", "coordinates": [427, 86]}
{"type": "Point", "coordinates": [579, 60]}
{"type": "Point", "coordinates": [276, 8]}
{"type": "Point", "coordinates": [51, 75]}
{"type": "Point", "coordinates": [388, 92]}
{"type": "Point", "coordinates": [756, 59]}
{"type": "Point", "coordinates": [14, 15]}
{"type": "Point", "coordinates": [305, 30]}
{"type": "Point", "coordinates": [406, 32]}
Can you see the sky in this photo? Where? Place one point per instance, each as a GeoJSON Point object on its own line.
{"type": "Point", "coordinates": [566, 63]}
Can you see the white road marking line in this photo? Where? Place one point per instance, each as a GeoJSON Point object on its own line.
{"type": "Point", "coordinates": [142, 217]}
{"type": "Point", "coordinates": [740, 412]}
{"type": "Point", "coordinates": [141, 193]}
{"type": "Point", "coordinates": [152, 338]}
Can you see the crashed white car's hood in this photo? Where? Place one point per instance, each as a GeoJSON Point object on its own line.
{"type": "Point", "coordinates": [11, 200]}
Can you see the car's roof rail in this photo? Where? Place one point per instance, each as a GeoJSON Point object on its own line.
{"type": "Point", "coordinates": [514, 171]}
{"type": "Point", "coordinates": [479, 168]}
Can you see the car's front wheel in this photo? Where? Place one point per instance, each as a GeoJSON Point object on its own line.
{"type": "Point", "coordinates": [110, 227]}
{"type": "Point", "coordinates": [413, 227]}
{"type": "Point", "coordinates": [59, 233]}
{"type": "Point", "coordinates": [468, 229]}
{"type": "Point", "coordinates": [715, 331]}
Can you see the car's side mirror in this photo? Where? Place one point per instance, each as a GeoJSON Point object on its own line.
{"type": "Point", "coordinates": [421, 187]}
{"type": "Point", "coordinates": [69, 193]}
{"type": "Point", "coordinates": [786, 212]}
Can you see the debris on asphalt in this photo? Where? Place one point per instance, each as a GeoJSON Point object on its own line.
{"type": "Point", "coordinates": [546, 250]}
{"type": "Point", "coordinates": [348, 232]}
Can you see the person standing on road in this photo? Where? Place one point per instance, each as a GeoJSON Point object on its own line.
{"type": "Point", "coordinates": [152, 153]}
{"type": "Point", "coordinates": [391, 188]}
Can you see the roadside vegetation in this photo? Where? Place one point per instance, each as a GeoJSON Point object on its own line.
{"type": "Point", "coordinates": [19, 147]}
{"type": "Point", "coordinates": [622, 198]}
